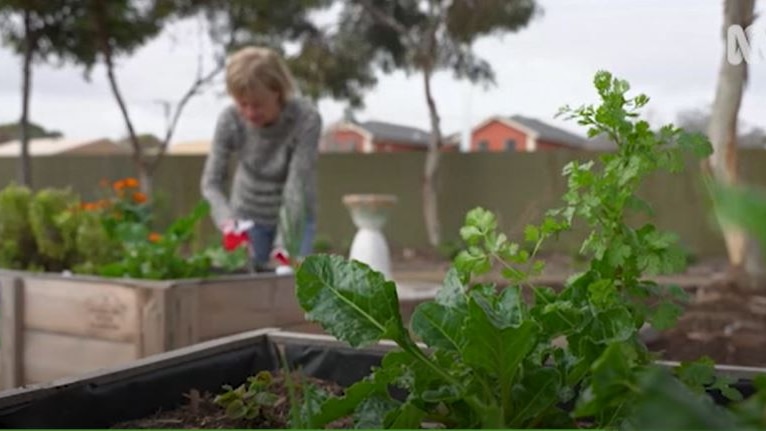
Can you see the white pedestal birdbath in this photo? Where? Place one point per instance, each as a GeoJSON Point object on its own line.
{"type": "Point", "coordinates": [369, 213]}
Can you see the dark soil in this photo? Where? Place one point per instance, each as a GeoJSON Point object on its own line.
{"type": "Point", "coordinates": [723, 321]}
{"type": "Point", "coordinates": [201, 412]}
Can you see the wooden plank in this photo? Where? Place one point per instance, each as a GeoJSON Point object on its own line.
{"type": "Point", "coordinates": [49, 356]}
{"type": "Point", "coordinates": [245, 305]}
{"type": "Point", "coordinates": [152, 325]}
{"type": "Point", "coordinates": [11, 319]}
{"type": "Point", "coordinates": [98, 310]}
{"type": "Point", "coordinates": [183, 324]}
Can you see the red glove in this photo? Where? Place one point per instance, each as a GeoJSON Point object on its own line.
{"type": "Point", "coordinates": [235, 233]}
{"type": "Point", "coordinates": [232, 240]}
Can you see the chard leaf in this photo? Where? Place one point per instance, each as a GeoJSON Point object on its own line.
{"type": "Point", "coordinates": [612, 325]}
{"type": "Point", "coordinates": [452, 292]}
{"type": "Point", "coordinates": [439, 326]}
{"type": "Point", "coordinates": [495, 349]}
{"type": "Point", "coordinates": [665, 403]}
{"type": "Point", "coordinates": [339, 407]}
{"type": "Point", "coordinates": [351, 301]}
{"type": "Point", "coordinates": [406, 416]}
{"type": "Point", "coordinates": [372, 412]}
{"type": "Point", "coordinates": [420, 380]}
{"type": "Point", "coordinates": [537, 392]}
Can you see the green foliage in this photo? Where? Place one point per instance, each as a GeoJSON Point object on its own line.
{"type": "Point", "coordinates": [17, 242]}
{"type": "Point", "coordinates": [53, 220]}
{"type": "Point", "coordinates": [496, 360]}
{"type": "Point", "coordinates": [326, 62]}
{"type": "Point", "coordinates": [404, 35]}
{"type": "Point", "coordinates": [12, 131]}
{"type": "Point", "coordinates": [52, 230]}
{"type": "Point", "coordinates": [160, 258]}
{"type": "Point", "coordinates": [247, 400]}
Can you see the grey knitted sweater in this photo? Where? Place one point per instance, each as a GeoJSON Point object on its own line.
{"type": "Point", "coordinates": [275, 165]}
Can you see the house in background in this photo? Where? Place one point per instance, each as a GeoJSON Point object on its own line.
{"type": "Point", "coordinates": [376, 137]}
{"type": "Point", "coordinates": [519, 133]}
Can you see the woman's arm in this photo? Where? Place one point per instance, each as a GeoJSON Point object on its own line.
{"type": "Point", "coordinates": [215, 172]}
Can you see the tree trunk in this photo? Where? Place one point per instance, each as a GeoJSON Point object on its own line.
{"type": "Point", "coordinates": [430, 200]}
{"type": "Point", "coordinates": [722, 131]}
{"type": "Point", "coordinates": [106, 50]}
{"type": "Point", "coordinates": [25, 166]}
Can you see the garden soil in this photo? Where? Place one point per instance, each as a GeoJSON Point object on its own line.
{"type": "Point", "coordinates": [201, 412]}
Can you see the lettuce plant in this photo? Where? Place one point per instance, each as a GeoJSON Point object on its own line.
{"type": "Point", "coordinates": [494, 359]}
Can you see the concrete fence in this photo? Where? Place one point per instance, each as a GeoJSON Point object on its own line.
{"type": "Point", "coordinates": [518, 186]}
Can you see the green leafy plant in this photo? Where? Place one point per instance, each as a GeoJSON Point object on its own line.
{"type": "Point", "coordinates": [18, 249]}
{"type": "Point", "coordinates": [247, 400]}
{"type": "Point", "coordinates": [53, 220]}
{"type": "Point", "coordinates": [495, 359]}
{"type": "Point", "coordinates": [148, 255]}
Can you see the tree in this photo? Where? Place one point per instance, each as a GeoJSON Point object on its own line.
{"type": "Point", "coordinates": [34, 30]}
{"type": "Point", "coordinates": [324, 61]}
{"type": "Point", "coordinates": [744, 256]}
{"type": "Point", "coordinates": [12, 131]}
{"type": "Point", "coordinates": [428, 36]}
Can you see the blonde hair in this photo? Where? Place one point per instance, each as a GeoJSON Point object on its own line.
{"type": "Point", "coordinates": [252, 69]}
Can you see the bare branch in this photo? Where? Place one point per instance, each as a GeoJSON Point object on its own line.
{"type": "Point", "coordinates": [193, 90]}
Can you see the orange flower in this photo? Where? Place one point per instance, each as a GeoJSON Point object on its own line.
{"type": "Point", "coordinates": [139, 197]}
{"type": "Point", "coordinates": [90, 206]}
{"type": "Point", "coordinates": [154, 237]}
{"type": "Point", "coordinates": [118, 186]}
{"type": "Point", "coordinates": [131, 183]}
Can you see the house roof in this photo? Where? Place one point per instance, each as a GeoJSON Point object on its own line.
{"type": "Point", "coordinates": [550, 133]}
{"type": "Point", "coordinates": [54, 146]}
{"type": "Point", "coordinates": [396, 132]}
{"type": "Point", "coordinates": [201, 146]}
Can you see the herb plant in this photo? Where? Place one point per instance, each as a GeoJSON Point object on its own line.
{"type": "Point", "coordinates": [495, 359]}
{"type": "Point", "coordinates": [247, 400]}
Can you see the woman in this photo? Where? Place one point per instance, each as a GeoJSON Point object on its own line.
{"type": "Point", "coordinates": [274, 136]}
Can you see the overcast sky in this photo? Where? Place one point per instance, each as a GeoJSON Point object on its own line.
{"type": "Point", "coordinates": [669, 49]}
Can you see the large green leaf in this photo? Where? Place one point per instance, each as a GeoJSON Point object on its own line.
{"type": "Point", "coordinates": [350, 300]}
{"type": "Point", "coordinates": [439, 326]}
{"type": "Point", "coordinates": [372, 412]}
{"type": "Point", "coordinates": [665, 403]}
{"type": "Point", "coordinates": [496, 350]}
{"type": "Point", "coordinates": [612, 325]}
{"type": "Point", "coordinates": [537, 392]}
{"type": "Point", "coordinates": [452, 292]}
{"type": "Point", "coordinates": [335, 408]}
{"type": "Point", "coordinates": [406, 416]}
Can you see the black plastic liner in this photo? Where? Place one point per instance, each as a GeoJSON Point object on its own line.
{"type": "Point", "coordinates": [103, 402]}
{"type": "Point", "coordinates": [102, 405]}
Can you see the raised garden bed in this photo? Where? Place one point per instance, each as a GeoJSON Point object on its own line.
{"type": "Point", "coordinates": [134, 395]}
{"type": "Point", "coordinates": [55, 326]}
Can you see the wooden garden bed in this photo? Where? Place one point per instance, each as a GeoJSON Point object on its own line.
{"type": "Point", "coordinates": [55, 326]}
